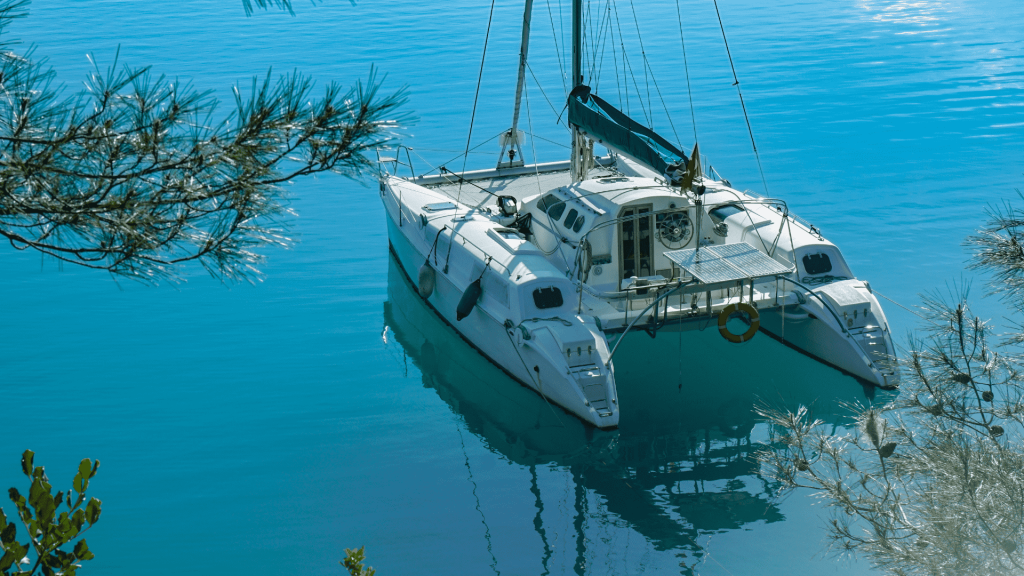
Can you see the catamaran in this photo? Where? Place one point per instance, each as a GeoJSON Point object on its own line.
{"type": "Point", "coordinates": [546, 268]}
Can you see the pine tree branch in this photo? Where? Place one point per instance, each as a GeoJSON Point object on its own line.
{"type": "Point", "coordinates": [138, 174]}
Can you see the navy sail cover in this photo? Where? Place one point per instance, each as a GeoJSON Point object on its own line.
{"type": "Point", "coordinates": [604, 123]}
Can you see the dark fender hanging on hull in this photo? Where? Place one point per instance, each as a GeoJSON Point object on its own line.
{"type": "Point", "coordinates": [427, 279]}
{"type": "Point", "coordinates": [468, 301]}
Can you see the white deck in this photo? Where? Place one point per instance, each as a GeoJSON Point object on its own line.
{"type": "Point", "coordinates": [519, 183]}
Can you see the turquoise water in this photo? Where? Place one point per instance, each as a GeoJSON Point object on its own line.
{"type": "Point", "coordinates": [265, 428]}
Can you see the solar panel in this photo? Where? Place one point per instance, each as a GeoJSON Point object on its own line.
{"type": "Point", "coordinates": [726, 263]}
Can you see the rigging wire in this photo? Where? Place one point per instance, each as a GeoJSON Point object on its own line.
{"type": "Point", "coordinates": [472, 149]}
{"type": "Point", "coordinates": [652, 78]}
{"type": "Point", "coordinates": [533, 141]}
{"type": "Point", "coordinates": [469, 136]}
{"type": "Point", "coordinates": [549, 141]}
{"type": "Point", "coordinates": [740, 92]}
{"type": "Point", "coordinates": [476, 98]}
{"type": "Point", "coordinates": [599, 45]}
{"type": "Point", "coordinates": [615, 60]}
{"type": "Point", "coordinates": [553, 109]}
{"type": "Point", "coordinates": [625, 60]}
{"type": "Point", "coordinates": [558, 52]}
{"type": "Point", "coordinates": [596, 45]}
{"type": "Point", "coordinates": [533, 145]}
{"type": "Point", "coordinates": [686, 67]}
{"type": "Point", "coordinates": [604, 46]}
{"type": "Point", "coordinates": [636, 22]}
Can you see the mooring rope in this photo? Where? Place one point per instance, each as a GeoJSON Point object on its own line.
{"type": "Point", "coordinates": [898, 304]}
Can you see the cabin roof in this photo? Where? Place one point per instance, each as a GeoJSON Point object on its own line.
{"type": "Point", "coordinates": [615, 191]}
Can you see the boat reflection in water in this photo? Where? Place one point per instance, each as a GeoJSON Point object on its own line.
{"type": "Point", "coordinates": [679, 467]}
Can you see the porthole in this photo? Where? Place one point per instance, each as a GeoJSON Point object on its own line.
{"type": "Point", "coordinates": [546, 201]}
{"type": "Point", "coordinates": [578, 225]}
{"type": "Point", "coordinates": [817, 264]}
{"type": "Point", "coordinates": [570, 218]}
{"type": "Point", "coordinates": [544, 298]}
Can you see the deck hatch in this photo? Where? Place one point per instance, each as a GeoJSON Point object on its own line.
{"type": "Point", "coordinates": [439, 206]}
{"type": "Point", "coordinates": [726, 262]}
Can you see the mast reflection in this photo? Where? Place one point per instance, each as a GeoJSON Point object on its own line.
{"type": "Point", "coordinates": [681, 464]}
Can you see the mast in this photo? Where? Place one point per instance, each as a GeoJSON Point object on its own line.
{"type": "Point", "coordinates": [582, 159]}
{"type": "Point", "coordinates": [512, 141]}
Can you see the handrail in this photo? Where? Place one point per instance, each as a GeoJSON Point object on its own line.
{"type": "Point", "coordinates": [823, 303]}
{"type": "Point", "coordinates": [641, 315]}
{"type": "Point", "coordinates": [683, 285]}
{"type": "Point", "coordinates": [396, 161]}
{"type": "Point", "coordinates": [451, 238]}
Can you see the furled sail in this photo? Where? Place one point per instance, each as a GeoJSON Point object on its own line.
{"type": "Point", "coordinates": [602, 122]}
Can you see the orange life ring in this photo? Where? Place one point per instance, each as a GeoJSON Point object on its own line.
{"type": "Point", "coordinates": [728, 311]}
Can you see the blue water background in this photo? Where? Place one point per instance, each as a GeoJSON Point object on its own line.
{"type": "Point", "coordinates": [261, 429]}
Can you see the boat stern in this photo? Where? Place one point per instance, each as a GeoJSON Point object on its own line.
{"type": "Point", "coordinates": [569, 361]}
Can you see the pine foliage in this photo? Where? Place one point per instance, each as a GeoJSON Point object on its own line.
{"type": "Point", "coordinates": [932, 483]}
{"type": "Point", "coordinates": [139, 174]}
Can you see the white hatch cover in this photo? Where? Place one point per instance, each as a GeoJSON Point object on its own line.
{"type": "Point", "coordinates": [726, 263]}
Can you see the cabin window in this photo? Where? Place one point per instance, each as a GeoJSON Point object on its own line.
{"type": "Point", "coordinates": [570, 219]}
{"type": "Point", "coordinates": [555, 212]}
{"type": "Point", "coordinates": [578, 225]}
{"type": "Point", "coordinates": [544, 298]}
{"type": "Point", "coordinates": [546, 201]}
{"type": "Point", "coordinates": [817, 264]}
{"type": "Point", "coordinates": [723, 212]}
{"type": "Point", "coordinates": [637, 242]}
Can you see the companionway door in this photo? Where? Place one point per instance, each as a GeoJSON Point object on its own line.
{"type": "Point", "coordinates": [636, 244]}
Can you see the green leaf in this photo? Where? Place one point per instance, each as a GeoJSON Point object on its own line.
{"type": "Point", "coordinates": [26, 462]}
{"type": "Point", "coordinates": [95, 469]}
{"type": "Point", "coordinates": [7, 560]}
{"type": "Point", "coordinates": [92, 510]}
{"type": "Point", "coordinates": [82, 551]}
{"type": "Point", "coordinates": [36, 492]}
{"type": "Point", "coordinates": [84, 474]}
{"type": "Point", "coordinates": [15, 552]}
{"type": "Point", "coordinates": [45, 510]}
{"type": "Point", "coordinates": [64, 525]}
{"type": "Point", "coordinates": [78, 519]}
{"type": "Point", "coordinates": [8, 534]}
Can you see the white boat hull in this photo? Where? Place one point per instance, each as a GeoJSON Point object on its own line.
{"type": "Point", "coordinates": [586, 393]}
{"type": "Point", "coordinates": [561, 349]}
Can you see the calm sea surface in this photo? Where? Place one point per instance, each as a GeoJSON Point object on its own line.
{"type": "Point", "coordinates": [263, 429]}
